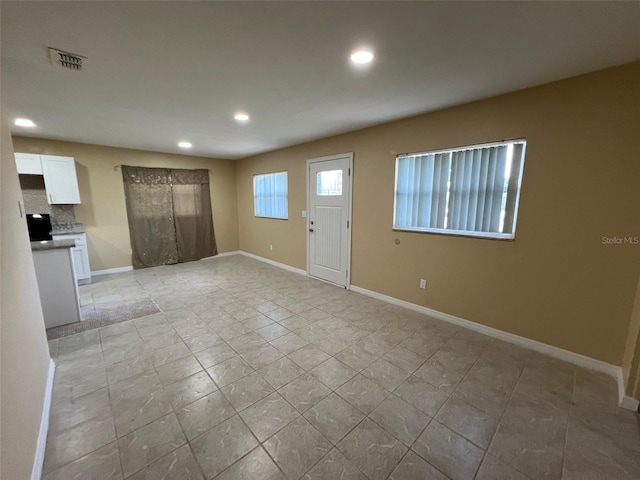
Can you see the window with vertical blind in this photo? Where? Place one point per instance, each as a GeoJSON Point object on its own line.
{"type": "Point", "coordinates": [270, 195]}
{"type": "Point", "coordinates": [471, 191]}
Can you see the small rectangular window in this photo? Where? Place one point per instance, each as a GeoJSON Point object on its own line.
{"type": "Point", "coordinates": [270, 195]}
{"type": "Point", "coordinates": [329, 183]}
{"type": "Point", "coordinates": [471, 191]}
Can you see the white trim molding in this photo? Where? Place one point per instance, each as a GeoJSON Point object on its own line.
{"type": "Point", "coordinates": [629, 403]}
{"type": "Point", "coordinates": [284, 266]}
{"type": "Point", "coordinates": [41, 446]}
{"type": "Point", "coordinates": [555, 352]}
{"type": "Point", "coordinates": [328, 158]}
{"type": "Point", "coordinates": [128, 268]}
{"type": "Point", "coordinates": [626, 402]}
{"type": "Point", "coordinates": [224, 254]}
{"type": "Point", "coordinates": [583, 361]}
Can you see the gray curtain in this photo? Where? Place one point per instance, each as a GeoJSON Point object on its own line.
{"type": "Point", "coordinates": [169, 213]}
{"type": "Point", "coordinates": [192, 214]}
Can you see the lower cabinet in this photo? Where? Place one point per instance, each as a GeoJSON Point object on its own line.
{"type": "Point", "coordinates": [57, 287]}
{"type": "Point", "coordinates": [79, 254]}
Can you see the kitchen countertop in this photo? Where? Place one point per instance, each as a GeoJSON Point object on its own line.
{"type": "Point", "coordinates": [51, 244]}
{"type": "Point", "coordinates": [57, 285]}
{"type": "Point", "coordinates": [71, 231]}
{"type": "Point", "coordinates": [67, 228]}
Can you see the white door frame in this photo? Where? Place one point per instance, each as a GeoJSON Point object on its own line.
{"type": "Point", "coordinates": [348, 155]}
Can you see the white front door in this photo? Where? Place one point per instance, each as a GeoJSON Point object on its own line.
{"type": "Point", "coordinates": [329, 217]}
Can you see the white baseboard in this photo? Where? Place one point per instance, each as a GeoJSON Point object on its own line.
{"type": "Point", "coordinates": [583, 361]}
{"type": "Point", "coordinates": [555, 352]}
{"type": "Point", "coordinates": [629, 403]}
{"type": "Point", "coordinates": [225, 254]}
{"type": "Point", "coordinates": [626, 402]}
{"type": "Point", "coordinates": [274, 263]}
{"type": "Point", "coordinates": [128, 268]}
{"type": "Point", "coordinates": [38, 461]}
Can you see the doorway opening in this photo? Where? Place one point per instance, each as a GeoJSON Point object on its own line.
{"type": "Point", "coordinates": [329, 204]}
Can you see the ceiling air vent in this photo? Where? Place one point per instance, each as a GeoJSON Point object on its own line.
{"type": "Point", "coordinates": [68, 60]}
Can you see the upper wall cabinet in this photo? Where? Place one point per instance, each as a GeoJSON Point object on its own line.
{"type": "Point", "coordinates": [28, 163]}
{"type": "Point", "coordinates": [60, 179]}
{"type": "Point", "coordinates": [59, 173]}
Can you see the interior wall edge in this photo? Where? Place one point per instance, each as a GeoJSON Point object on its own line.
{"type": "Point", "coordinates": [24, 354]}
{"type": "Point", "coordinates": [38, 464]}
{"type": "Point", "coordinates": [631, 359]}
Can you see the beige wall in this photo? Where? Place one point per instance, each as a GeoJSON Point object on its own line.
{"type": "Point", "coordinates": [24, 354]}
{"type": "Point", "coordinates": [103, 210]}
{"type": "Point", "coordinates": [556, 283]}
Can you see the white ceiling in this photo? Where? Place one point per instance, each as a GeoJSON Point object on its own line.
{"type": "Point", "coordinates": [158, 73]}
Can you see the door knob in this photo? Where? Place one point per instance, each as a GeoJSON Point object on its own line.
{"type": "Point", "coordinates": [311, 230]}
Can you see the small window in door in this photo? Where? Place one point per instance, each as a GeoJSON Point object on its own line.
{"type": "Point", "coordinates": [329, 183]}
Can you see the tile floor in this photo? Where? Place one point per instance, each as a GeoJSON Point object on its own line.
{"type": "Point", "coordinates": [252, 372]}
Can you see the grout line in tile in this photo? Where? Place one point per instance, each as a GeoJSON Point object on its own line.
{"type": "Point", "coordinates": [232, 289]}
{"type": "Point", "coordinates": [486, 452]}
{"type": "Point", "coordinates": [566, 429]}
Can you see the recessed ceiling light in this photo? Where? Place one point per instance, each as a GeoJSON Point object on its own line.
{"type": "Point", "coordinates": [24, 122]}
{"type": "Point", "coordinates": [361, 56]}
{"type": "Point", "coordinates": [241, 117]}
{"type": "Point", "coordinates": [184, 144]}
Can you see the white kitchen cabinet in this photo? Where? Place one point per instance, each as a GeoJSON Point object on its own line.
{"type": "Point", "coordinates": [58, 292]}
{"type": "Point", "coordinates": [60, 180]}
{"type": "Point", "coordinates": [79, 255]}
{"type": "Point", "coordinates": [28, 164]}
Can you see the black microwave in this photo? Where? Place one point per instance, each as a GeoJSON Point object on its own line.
{"type": "Point", "coordinates": [39, 225]}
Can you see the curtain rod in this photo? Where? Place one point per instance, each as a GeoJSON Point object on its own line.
{"type": "Point", "coordinates": [116, 167]}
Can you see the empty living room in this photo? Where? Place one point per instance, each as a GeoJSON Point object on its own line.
{"type": "Point", "coordinates": [319, 240]}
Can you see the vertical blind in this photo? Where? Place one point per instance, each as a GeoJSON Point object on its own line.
{"type": "Point", "coordinates": [472, 191]}
{"type": "Point", "coordinates": [270, 195]}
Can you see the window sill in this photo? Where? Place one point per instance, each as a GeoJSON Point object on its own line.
{"type": "Point", "coordinates": [457, 233]}
{"type": "Point", "coordinates": [271, 218]}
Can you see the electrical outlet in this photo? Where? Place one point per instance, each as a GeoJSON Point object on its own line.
{"type": "Point", "coordinates": [270, 247]}
{"type": "Point", "coordinates": [423, 283]}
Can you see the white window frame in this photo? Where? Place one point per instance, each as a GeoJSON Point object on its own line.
{"type": "Point", "coordinates": [255, 197]}
{"type": "Point", "coordinates": [464, 233]}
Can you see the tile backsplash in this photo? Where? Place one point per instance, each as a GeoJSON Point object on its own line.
{"type": "Point", "coordinates": [63, 214]}
{"type": "Point", "coordinates": [35, 200]}
{"type": "Point", "coordinates": [34, 194]}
